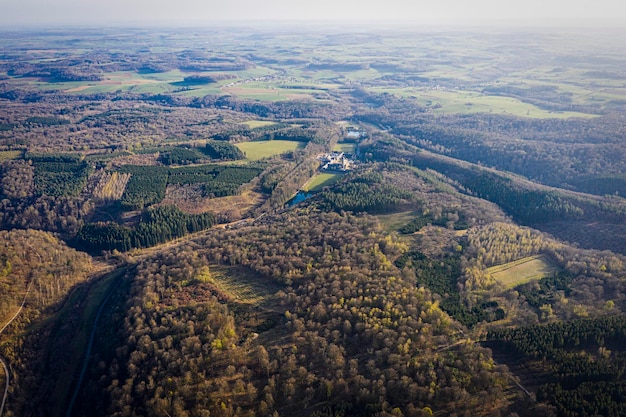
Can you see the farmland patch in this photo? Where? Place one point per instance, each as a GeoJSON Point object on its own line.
{"type": "Point", "coordinates": [321, 180]}
{"type": "Point", "coordinates": [522, 271]}
{"type": "Point", "coordinates": [264, 149]}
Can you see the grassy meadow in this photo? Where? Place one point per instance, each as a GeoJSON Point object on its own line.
{"type": "Point", "coordinates": [269, 91]}
{"type": "Point", "coordinates": [253, 124]}
{"type": "Point", "coordinates": [345, 147]}
{"type": "Point", "coordinates": [466, 102]}
{"type": "Point", "coordinates": [264, 149]}
{"type": "Point", "coordinates": [522, 271]}
{"type": "Point", "coordinates": [321, 180]}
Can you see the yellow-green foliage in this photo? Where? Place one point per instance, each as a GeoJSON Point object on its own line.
{"type": "Point", "coordinates": [503, 246]}
{"type": "Point", "coordinates": [204, 274]}
{"type": "Point", "coordinates": [111, 186]}
{"type": "Point", "coordinates": [8, 155]}
{"type": "Point", "coordinates": [499, 243]}
{"type": "Point", "coordinates": [18, 179]}
{"type": "Point", "coordinates": [39, 260]}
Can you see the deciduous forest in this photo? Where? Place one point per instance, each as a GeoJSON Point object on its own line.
{"type": "Point", "coordinates": [325, 222]}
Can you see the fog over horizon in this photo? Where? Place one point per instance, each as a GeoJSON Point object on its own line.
{"type": "Point", "coordinates": [197, 12]}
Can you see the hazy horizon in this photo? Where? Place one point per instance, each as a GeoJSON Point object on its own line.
{"type": "Point", "coordinates": [33, 13]}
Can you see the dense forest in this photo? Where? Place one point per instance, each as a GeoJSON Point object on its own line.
{"type": "Point", "coordinates": [157, 225]}
{"type": "Point", "coordinates": [255, 222]}
{"type": "Point", "coordinates": [333, 311]}
{"type": "Point", "coordinates": [584, 357]}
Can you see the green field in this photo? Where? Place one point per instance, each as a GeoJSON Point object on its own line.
{"type": "Point", "coordinates": [345, 147]}
{"type": "Point", "coordinates": [522, 271]}
{"type": "Point", "coordinates": [267, 92]}
{"type": "Point", "coordinates": [465, 102]}
{"type": "Point", "coordinates": [117, 81]}
{"type": "Point", "coordinates": [168, 82]}
{"type": "Point", "coordinates": [265, 149]}
{"type": "Point", "coordinates": [279, 91]}
{"type": "Point", "coordinates": [133, 82]}
{"type": "Point", "coordinates": [211, 89]}
{"type": "Point", "coordinates": [321, 180]}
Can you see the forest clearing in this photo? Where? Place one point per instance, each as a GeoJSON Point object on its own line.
{"type": "Point", "coordinates": [523, 270]}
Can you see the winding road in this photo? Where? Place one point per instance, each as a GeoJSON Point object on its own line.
{"type": "Point", "coordinates": [6, 387]}
{"type": "Point", "coordinates": [6, 370]}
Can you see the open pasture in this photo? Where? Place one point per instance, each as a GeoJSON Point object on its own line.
{"type": "Point", "coordinates": [345, 147]}
{"type": "Point", "coordinates": [130, 81]}
{"type": "Point", "coordinates": [264, 149]}
{"type": "Point", "coordinates": [464, 102]}
{"type": "Point", "coordinates": [201, 91]}
{"type": "Point", "coordinates": [321, 180]}
{"type": "Point", "coordinates": [581, 87]}
{"type": "Point", "coordinates": [115, 81]}
{"type": "Point", "coordinates": [253, 124]}
{"type": "Point", "coordinates": [267, 92]}
{"type": "Point", "coordinates": [522, 271]}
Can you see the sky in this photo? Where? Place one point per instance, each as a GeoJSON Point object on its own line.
{"type": "Point", "coordinates": [198, 12]}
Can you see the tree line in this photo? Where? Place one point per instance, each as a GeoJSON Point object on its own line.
{"type": "Point", "coordinates": [584, 359]}
{"type": "Point", "coordinates": [157, 225]}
